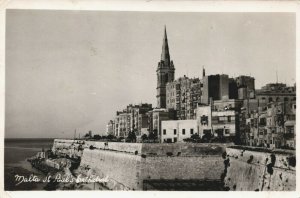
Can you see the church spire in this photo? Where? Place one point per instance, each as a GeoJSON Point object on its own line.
{"type": "Point", "coordinates": [165, 55]}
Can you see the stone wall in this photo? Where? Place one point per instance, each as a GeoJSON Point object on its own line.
{"type": "Point", "coordinates": [138, 166]}
{"type": "Point", "coordinates": [71, 148]}
{"type": "Point", "coordinates": [255, 169]}
{"type": "Point", "coordinates": [128, 170]}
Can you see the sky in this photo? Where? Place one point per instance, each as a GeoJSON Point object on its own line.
{"type": "Point", "coordinates": [68, 70]}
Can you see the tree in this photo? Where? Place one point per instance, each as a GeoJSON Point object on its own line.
{"type": "Point", "coordinates": [207, 136]}
{"type": "Point", "coordinates": [97, 137]}
{"type": "Point", "coordinates": [195, 137]}
{"type": "Point", "coordinates": [144, 137]}
{"type": "Point", "coordinates": [152, 136]}
{"type": "Point", "coordinates": [110, 137]}
{"type": "Point", "coordinates": [131, 137]}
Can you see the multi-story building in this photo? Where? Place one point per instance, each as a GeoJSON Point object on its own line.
{"type": "Point", "coordinates": [246, 87]}
{"type": "Point", "coordinates": [165, 73]}
{"type": "Point", "coordinates": [276, 92]}
{"type": "Point", "coordinates": [132, 118]}
{"type": "Point", "coordinates": [123, 124]}
{"type": "Point", "coordinates": [138, 116]}
{"type": "Point", "coordinates": [183, 95]}
{"type": "Point", "coordinates": [273, 127]}
{"type": "Point", "coordinates": [215, 87]}
{"type": "Point", "coordinates": [219, 122]}
{"type": "Point", "coordinates": [156, 116]}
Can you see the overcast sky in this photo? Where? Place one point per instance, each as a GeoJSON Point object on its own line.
{"type": "Point", "coordinates": [68, 70]}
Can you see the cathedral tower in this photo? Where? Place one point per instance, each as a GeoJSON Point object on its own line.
{"type": "Point", "coordinates": [165, 73]}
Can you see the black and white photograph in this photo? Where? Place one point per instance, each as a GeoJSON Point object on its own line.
{"type": "Point", "coordinates": [101, 100]}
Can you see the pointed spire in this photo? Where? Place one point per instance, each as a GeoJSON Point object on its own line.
{"type": "Point", "coordinates": [165, 55]}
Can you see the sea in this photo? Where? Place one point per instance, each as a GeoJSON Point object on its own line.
{"type": "Point", "coordinates": [16, 151]}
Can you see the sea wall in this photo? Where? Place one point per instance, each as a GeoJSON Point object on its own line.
{"type": "Point", "coordinates": [183, 166]}
{"type": "Point", "coordinates": [144, 166]}
{"type": "Point", "coordinates": [255, 169]}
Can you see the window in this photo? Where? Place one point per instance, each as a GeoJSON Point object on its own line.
{"type": "Point", "coordinates": [222, 118]}
{"type": "Point", "coordinates": [270, 99]}
{"type": "Point", "coordinates": [204, 120]}
{"type": "Point", "coordinates": [227, 131]}
{"type": "Point", "coordinates": [192, 131]}
{"type": "Point", "coordinates": [175, 131]}
{"type": "Point", "coordinates": [183, 131]}
{"type": "Point", "coordinates": [164, 131]}
{"type": "Point", "coordinates": [229, 118]}
{"type": "Point", "coordinates": [175, 139]}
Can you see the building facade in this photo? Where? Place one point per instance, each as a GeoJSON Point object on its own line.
{"type": "Point", "coordinates": [178, 130]}
{"type": "Point", "coordinates": [218, 122]}
{"type": "Point", "coordinates": [246, 87]}
{"type": "Point", "coordinates": [276, 92]}
{"type": "Point", "coordinates": [132, 118]}
{"type": "Point", "coordinates": [183, 95]}
{"type": "Point", "coordinates": [273, 127]}
{"type": "Point", "coordinates": [215, 87]}
{"type": "Point", "coordinates": [155, 118]}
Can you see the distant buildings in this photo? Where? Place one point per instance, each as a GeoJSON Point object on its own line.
{"type": "Point", "coordinates": [215, 107]}
{"type": "Point", "coordinates": [276, 92]}
{"type": "Point", "coordinates": [133, 118]}
{"type": "Point", "coordinates": [272, 127]}
{"type": "Point", "coordinates": [183, 95]}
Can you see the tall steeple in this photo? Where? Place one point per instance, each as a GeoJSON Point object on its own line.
{"type": "Point", "coordinates": [165, 54]}
{"type": "Point", "coordinates": [165, 73]}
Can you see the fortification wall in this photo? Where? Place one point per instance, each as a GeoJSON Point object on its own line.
{"type": "Point", "coordinates": [71, 148]}
{"type": "Point", "coordinates": [260, 169]}
{"type": "Point", "coordinates": [121, 168]}
{"type": "Point", "coordinates": [115, 146]}
{"type": "Point", "coordinates": [128, 170]}
{"type": "Point", "coordinates": [132, 166]}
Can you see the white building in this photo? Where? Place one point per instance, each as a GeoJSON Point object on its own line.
{"type": "Point", "coordinates": [178, 130]}
{"type": "Point", "coordinates": [203, 117]}
{"type": "Point", "coordinates": [218, 123]}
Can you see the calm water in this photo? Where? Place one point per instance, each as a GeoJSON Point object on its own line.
{"type": "Point", "coordinates": [16, 151]}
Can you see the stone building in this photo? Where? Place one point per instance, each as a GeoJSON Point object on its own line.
{"type": "Point", "coordinates": [165, 73]}
{"type": "Point", "coordinates": [273, 127]}
{"type": "Point", "coordinates": [138, 116]}
{"type": "Point", "coordinates": [276, 92]}
{"type": "Point", "coordinates": [218, 122]}
{"type": "Point", "coordinates": [123, 124]}
{"type": "Point", "coordinates": [177, 130]}
{"type": "Point", "coordinates": [132, 118]}
{"type": "Point", "coordinates": [183, 95]}
{"type": "Point", "coordinates": [155, 118]}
